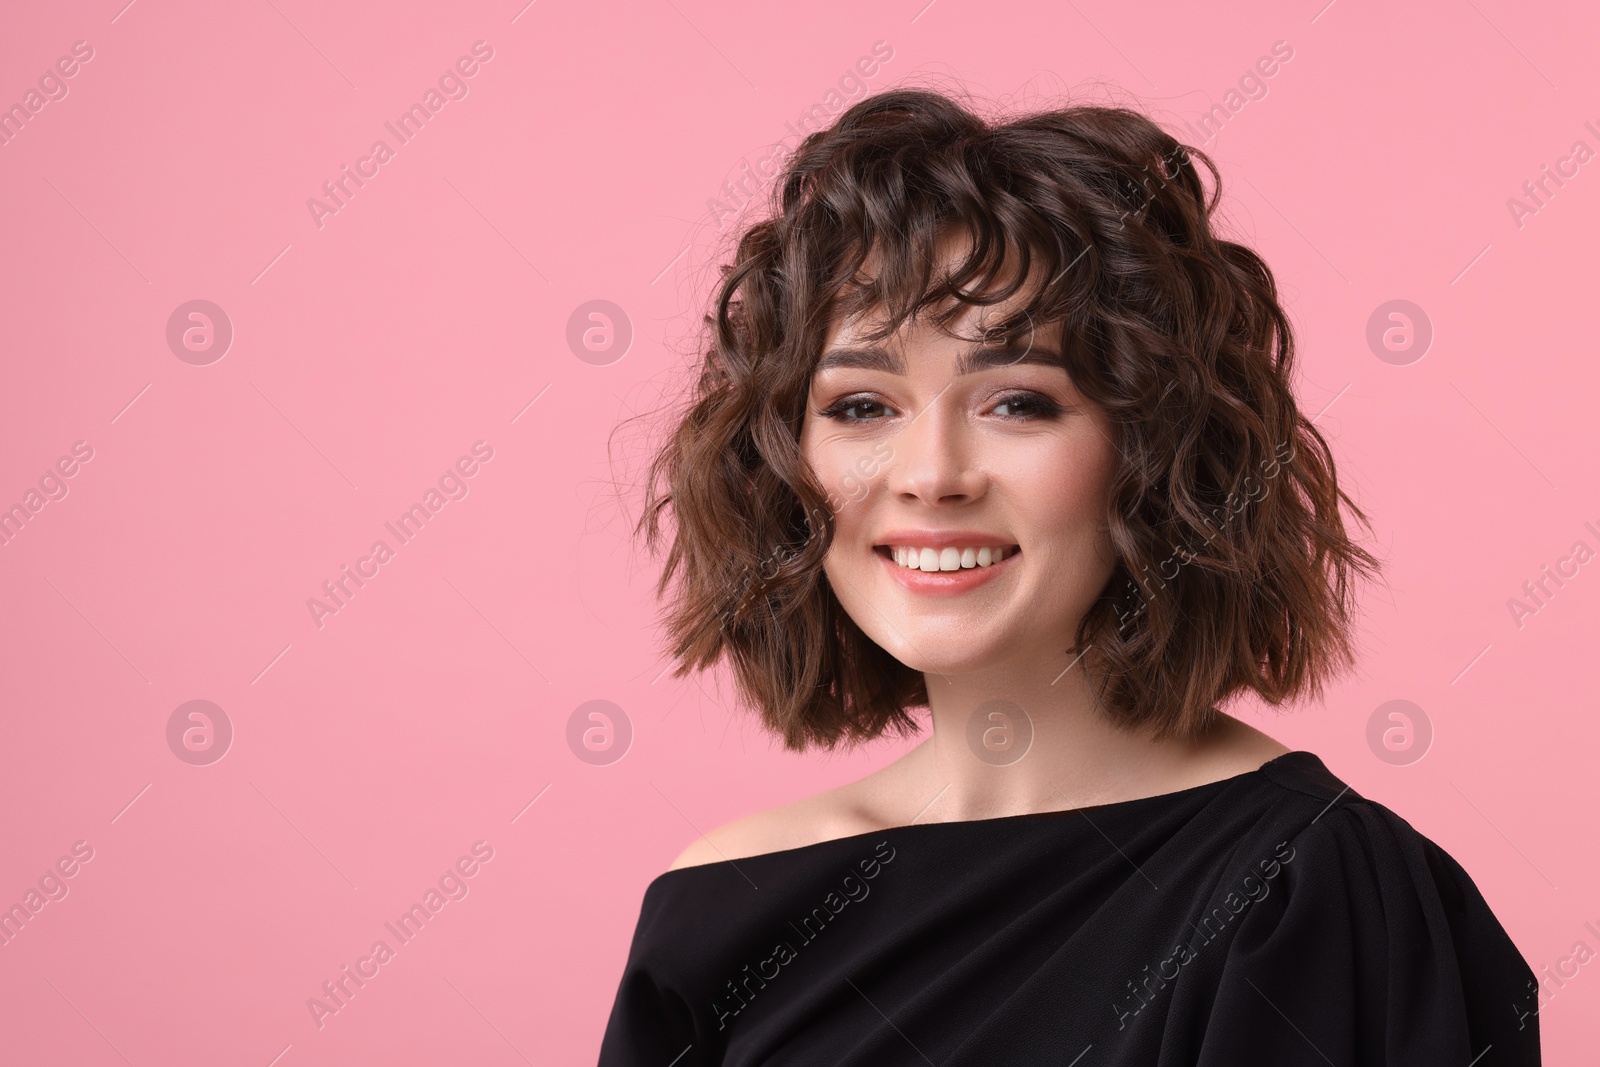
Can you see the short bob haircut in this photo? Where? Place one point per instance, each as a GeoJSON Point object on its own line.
{"type": "Point", "coordinates": [1234, 568]}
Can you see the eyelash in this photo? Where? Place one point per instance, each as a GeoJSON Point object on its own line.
{"type": "Point", "coordinates": [1045, 408]}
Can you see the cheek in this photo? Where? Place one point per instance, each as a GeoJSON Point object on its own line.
{"type": "Point", "coordinates": [1071, 480]}
{"type": "Point", "coordinates": [1068, 487]}
{"type": "Point", "coordinates": [844, 469]}
{"type": "Point", "coordinates": [826, 459]}
{"type": "Point", "coordinates": [848, 532]}
{"type": "Point", "coordinates": [846, 572]}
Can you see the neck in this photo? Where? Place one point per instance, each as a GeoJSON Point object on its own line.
{"type": "Point", "coordinates": [1009, 742]}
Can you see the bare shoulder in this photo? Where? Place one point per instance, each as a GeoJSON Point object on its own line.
{"type": "Point", "coordinates": [849, 809]}
{"type": "Point", "coordinates": [1235, 747]}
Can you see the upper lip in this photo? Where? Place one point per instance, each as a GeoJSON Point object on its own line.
{"type": "Point", "coordinates": [943, 538]}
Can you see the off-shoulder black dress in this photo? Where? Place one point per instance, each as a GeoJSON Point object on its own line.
{"type": "Point", "coordinates": [1272, 918]}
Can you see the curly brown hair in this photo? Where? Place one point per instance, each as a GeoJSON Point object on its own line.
{"type": "Point", "coordinates": [1234, 568]}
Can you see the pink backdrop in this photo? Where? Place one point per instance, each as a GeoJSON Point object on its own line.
{"type": "Point", "coordinates": [185, 493]}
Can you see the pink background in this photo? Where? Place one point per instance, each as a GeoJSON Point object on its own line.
{"type": "Point", "coordinates": [428, 314]}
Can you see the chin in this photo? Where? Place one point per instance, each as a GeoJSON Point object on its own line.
{"type": "Point", "coordinates": [937, 653]}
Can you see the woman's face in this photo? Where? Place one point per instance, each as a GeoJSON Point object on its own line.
{"type": "Point", "coordinates": [922, 460]}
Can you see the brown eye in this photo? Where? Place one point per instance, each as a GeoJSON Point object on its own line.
{"type": "Point", "coordinates": [839, 407]}
{"type": "Point", "coordinates": [1032, 406]}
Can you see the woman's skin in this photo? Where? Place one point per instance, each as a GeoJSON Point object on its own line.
{"type": "Point", "coordinates": [966, 456]}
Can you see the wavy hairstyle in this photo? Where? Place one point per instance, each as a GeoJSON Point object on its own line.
{"type": "Point", "coordinates": [1234, 568]}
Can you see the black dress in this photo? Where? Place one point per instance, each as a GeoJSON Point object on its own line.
{"type": "Point", "coordinates": [1272, 918]}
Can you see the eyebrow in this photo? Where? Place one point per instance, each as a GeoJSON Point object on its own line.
{"type": "Point", "coordinates": [972, 361]}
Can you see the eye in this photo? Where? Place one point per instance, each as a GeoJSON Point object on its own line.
{"type": "Point", "coordinates": [1032, 405]}
{"type": "Point", "coordinates": [838, 408]}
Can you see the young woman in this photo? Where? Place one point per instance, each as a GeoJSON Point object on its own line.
{"type": "Point", "coordinates": [994, 425]}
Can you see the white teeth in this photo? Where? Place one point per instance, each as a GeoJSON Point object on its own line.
{"type": "Point", "coordinates": [949, 558]}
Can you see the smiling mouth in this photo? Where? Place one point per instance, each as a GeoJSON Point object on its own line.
{"type": "Point", "coordinates": [945, 560]}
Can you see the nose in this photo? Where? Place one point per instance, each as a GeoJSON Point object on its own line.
{"type": "Point", "coordinates": [935, 458]}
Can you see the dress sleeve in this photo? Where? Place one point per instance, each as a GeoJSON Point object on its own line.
{"type": "Point", "coordinates": [648, 1025]}
{"type": "Point", "coordinates": [1367, 944]}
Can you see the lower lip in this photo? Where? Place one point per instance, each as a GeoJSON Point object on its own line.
{"type": "Point", "coordinates": [944, 583]}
